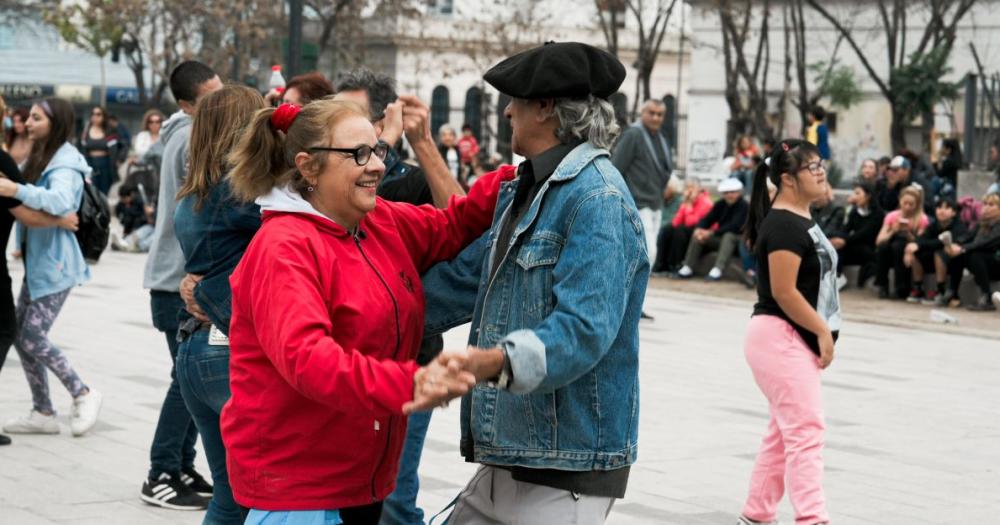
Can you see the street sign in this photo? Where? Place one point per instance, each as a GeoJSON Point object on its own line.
{"type": "Point", "coordinates": [74, 92]}
{"type": "Point", "coordinates": [25, 91]}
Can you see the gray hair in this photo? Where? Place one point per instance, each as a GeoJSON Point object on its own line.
{"type": "Point", "coordinates": [589, 119]}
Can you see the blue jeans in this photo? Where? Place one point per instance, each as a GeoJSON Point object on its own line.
{"type": "Point", "coordinates": [748, 258]}
{"type": "Point", "coordinates": [173, 443]}
{"type": "Point", "coordinates": [400, 508]}
{"type": "Point", "coordinates": [203, 374]}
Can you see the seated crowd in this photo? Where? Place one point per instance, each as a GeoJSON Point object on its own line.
{"type": "Point", "coordinates": [902, 218]}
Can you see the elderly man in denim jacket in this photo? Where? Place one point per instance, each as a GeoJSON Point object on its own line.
{"type": "Point", "coordinates": [554, 291]}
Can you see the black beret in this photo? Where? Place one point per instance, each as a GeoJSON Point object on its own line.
{"type": "Point", "coordinates": [556, 70]}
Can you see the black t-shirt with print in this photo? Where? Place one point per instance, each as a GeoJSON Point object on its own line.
{"type": "Point", "coordinates": [817, 278]}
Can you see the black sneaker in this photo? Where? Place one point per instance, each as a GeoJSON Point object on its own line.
{"type": "Point", "coordinates": [170, 493]}
{"type": "Point", "coordinates": [4, 440]}
{"type": "Point", "coordinates": [196, 482]}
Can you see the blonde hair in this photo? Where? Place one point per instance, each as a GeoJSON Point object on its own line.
{"type": "Point", "coordinates": [264, 158]}
{"type": "Point", "coordinates": [992, 197]}
{"type": "Point", "coordinates": [917, 192]}
{"type": "Point", "coordinates": [220, 119]}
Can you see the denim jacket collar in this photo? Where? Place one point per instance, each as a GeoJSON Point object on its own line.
{"type": "Point", "coordinates": [568, 169]}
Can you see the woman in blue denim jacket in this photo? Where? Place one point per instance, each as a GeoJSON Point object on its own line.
{"type": "Point", "coordinates": [214, 230]}
{"type": "Point", "coordinates": [55, 172]}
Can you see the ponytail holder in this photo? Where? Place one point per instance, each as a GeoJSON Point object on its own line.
{"type": "Point", "coordinates": [784, 146]}
{"type": "Point", "coordinates": [283, 117]}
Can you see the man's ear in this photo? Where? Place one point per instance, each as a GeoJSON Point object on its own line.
{"type": "Point", "coordinates": [546, 109]}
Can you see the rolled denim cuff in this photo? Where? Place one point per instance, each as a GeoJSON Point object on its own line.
{"type": "Point", "coordinates": [526, 353]}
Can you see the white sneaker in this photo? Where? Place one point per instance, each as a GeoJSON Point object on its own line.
{"type": "Point", "coordinates": [85, 410]}
{"type": "Point", "coordinates": [996, 299]}
{"type": "Point", "coordinates": [841, 282]}
{"type": "Point", "coordinates": [685, 272]}
{"type": "Point", "coordinates": [35, 423]}
{"type": "Point", "coordinates": [714, 274]}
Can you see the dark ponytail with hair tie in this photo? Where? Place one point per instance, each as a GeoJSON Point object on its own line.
{"type": "Point", "coordinates": [788, 156]}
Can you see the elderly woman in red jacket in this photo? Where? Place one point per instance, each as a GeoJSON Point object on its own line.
{"type": "Point", "coordinates": [328, 314]}
{"type": "Point", "coordinates": [674, 237]}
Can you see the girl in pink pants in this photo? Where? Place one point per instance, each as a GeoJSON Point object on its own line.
{"type": "Point", "coordinates": [791, 336]}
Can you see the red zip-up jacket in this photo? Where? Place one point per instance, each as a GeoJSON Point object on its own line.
{"type": "Point", "coordinates": [688, 215]}
{"type": "Point", "coordinates": [324, 332]}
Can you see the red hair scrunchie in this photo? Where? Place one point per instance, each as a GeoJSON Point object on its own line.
{"type": "Point", "coordinates": [283, 117]}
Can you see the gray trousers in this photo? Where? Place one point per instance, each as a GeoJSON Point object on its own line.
{"type": "Point", "coordinates": [726, 246]}
{"type": "Point", "coordinates": [493, 497]}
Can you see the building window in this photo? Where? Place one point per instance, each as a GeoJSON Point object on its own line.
{"type": "Point", "coordinates": [669, 127]}
{"type": "Point", "coordinates": [440, 7]}
{"type": "Point", "coordinates": [474, 111]}
{"type": "Point", "coordinates": [613, 11]}
{"type": "Point", "coordinates": [504, 131]}
{"type": "Point", "coordinates": [440, 106]}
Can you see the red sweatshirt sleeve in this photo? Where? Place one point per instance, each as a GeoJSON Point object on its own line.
{"type": "Point", "coordinates": [680, 218]}
{"type": "Point", "coordinates": [432, 235]}
{"type": "Point", "coordinates": [292, 322]}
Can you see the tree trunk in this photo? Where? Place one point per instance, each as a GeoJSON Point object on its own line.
{"type": "Point", "coordinates": [896, 133]}
{"type": "Point", "coordinates": [104, 85]}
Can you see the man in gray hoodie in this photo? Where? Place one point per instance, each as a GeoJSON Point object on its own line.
{"type": "Point", "coordinates": [172, 482]}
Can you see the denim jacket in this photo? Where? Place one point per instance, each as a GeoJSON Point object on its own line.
{"type": "Point", "coordinates": [565, 303]}
{"type": "Point", "coordinates": [54, 260]}
{"type": "Point", "coordinates": [213, 239]}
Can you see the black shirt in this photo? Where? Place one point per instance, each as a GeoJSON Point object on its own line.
{"type": "Point", "coordinates": [531, 175]}
{"type": "Point", "coordinates": [9, 168]}
{"type": "Point", "coordinates": [729, 217]}
{"type": "Point", "coordinates": [782, 230]}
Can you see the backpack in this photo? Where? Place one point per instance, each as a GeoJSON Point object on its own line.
{"type": "Point", "coordinates": [94, 223]}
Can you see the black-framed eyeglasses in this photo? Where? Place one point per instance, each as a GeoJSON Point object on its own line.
{"type": "Point", "coordinates": [362, 154]}
{"type": "Point", "coordinates": [815, 168]}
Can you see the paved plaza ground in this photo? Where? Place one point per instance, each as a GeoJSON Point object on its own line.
{"type": "Point", "coordinates": [913, 418]}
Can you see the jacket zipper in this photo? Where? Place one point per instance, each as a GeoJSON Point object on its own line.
{"type": "Point", "coordinates": [395, 353]}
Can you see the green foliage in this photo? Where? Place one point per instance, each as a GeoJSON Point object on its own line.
{"type": "Point", "coordinates": [918, 86]}
{"type": "Point", "coordinates": [836, 83]}
{"type": "Point", "coordinates": [95, 28]}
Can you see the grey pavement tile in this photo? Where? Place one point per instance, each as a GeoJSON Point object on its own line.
{"type": "Point", "coordinates": [432, 483]}
{"type": "Point", "coordinates": [845, 386]}
{"type": "Point", "coordinates": [439, 445]}
{"type": "Point", "coordinates": [854, 449]}
{"type": "Point", "coordinates": [147, 380]}
{"type": "Point", "coordinates": [876, 375]}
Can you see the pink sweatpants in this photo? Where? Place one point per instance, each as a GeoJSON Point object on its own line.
{"type": "Point", "coordinates": [788, 374]}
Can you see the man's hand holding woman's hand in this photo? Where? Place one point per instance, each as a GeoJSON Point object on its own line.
{"type": "Point", "coordinates": [452, 374]}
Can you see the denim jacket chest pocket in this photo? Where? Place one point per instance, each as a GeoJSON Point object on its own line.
{"type": "Point", "coordinates": [536, 260]}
